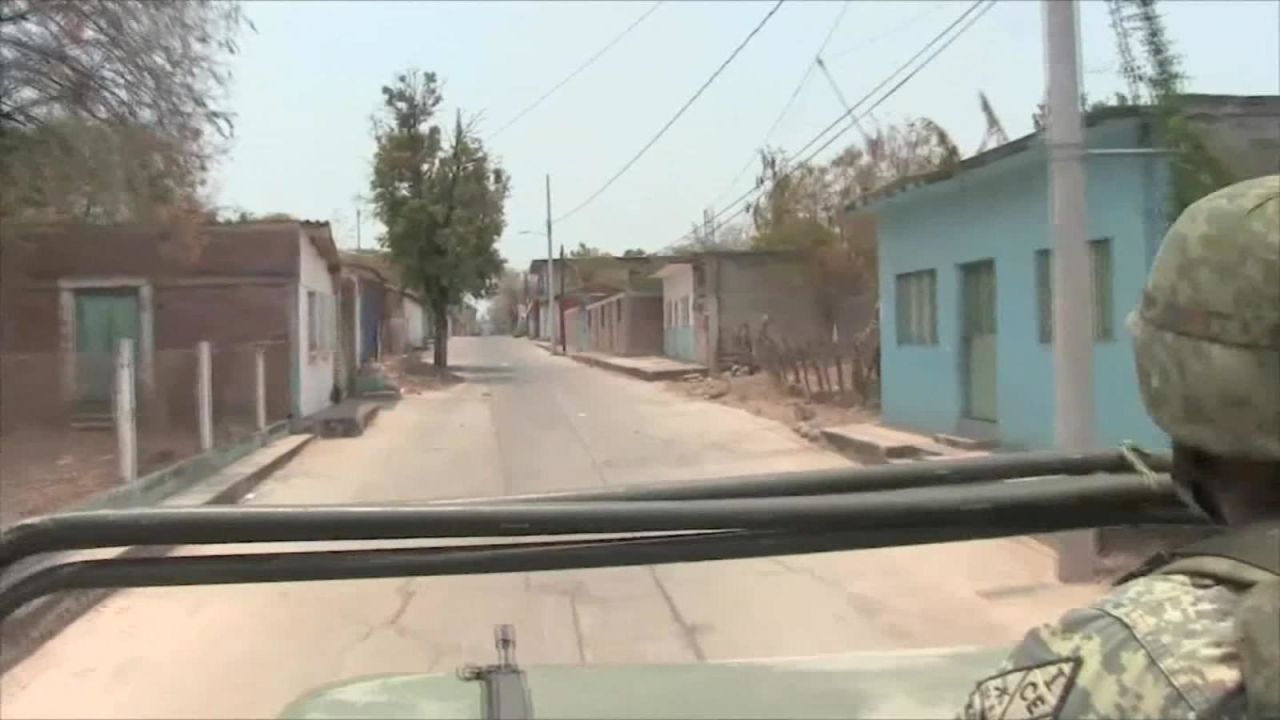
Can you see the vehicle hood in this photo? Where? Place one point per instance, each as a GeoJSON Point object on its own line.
{"type": "Point", "coordinates": [917, 684]}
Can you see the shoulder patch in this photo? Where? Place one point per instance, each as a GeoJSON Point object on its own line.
{"type": "Point", "coordinates": [1034, 692]}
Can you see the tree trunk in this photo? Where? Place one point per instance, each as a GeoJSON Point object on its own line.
{"type": "Point", "coordinates": [440, 355]}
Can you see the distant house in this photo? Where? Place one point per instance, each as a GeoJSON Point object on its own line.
{"type": "Point", "coordinates": [965, 268]}
{"type": "Point", "coordinates": [581, 281]}
{"type": "Point", "coordinates": [72, 291]}
{"type": "Point", "coordinates": [627, 323]}
{"type": "Point", "coordinates": [708, 298]}
{"type": "Point", "coordinates": [379, 315]}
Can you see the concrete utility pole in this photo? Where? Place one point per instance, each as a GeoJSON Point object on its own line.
{"type": "Point", "coordinates": [1072, 281]}
{"type": "Point", "coordinates": [357, 228]}
{"type": "Point", "coordinates": [551, 275]}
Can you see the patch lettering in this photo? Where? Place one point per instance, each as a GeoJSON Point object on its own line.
{"type": "Point", "coordinates": [1029, 693]}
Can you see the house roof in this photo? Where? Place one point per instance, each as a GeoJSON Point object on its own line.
{"type": "Point", "coordinates": [321, 236]}
{"type": "Point", "coordinates": [1194, 105]}
{"type": "Point", "coordinates": [380, 266]}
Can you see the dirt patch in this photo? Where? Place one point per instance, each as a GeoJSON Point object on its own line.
{"type": "Point", "coordinates": [45, 470]}
{"type": "Point", "coordinates": [761, 395]}
{"type": "Point", "coordinates": [414, 373]}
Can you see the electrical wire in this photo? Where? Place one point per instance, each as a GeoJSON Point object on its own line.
{"type": "Point", "coordinates": [840, 119]}
{"type": "Point", "coordinates": [586, 64]}
{"type": "Point", "coordinates": [608, 183]}
{"type": "Point", "coordinates": [863, 45]}
{"type": "Point", "coordinates": [795, 93]}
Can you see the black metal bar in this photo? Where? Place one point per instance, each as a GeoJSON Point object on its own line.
{"type": "Point", "coordinates": [501, 558]}
{"type": "Point", "coordinates": [854, 479]}
{"type": "Point", "coordinates": [1092, 500]}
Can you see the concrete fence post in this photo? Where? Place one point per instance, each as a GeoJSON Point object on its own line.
{"type": "Point", "coordinates": [124, 407]}
{"type": "Point", "coordinates": [204, 393]}
{"type": "Point", "coordinates": [260, 385]}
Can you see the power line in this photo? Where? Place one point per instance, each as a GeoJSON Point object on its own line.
{"type": "Point", "coordinates": [675, 117]}
{"type": "Point", "coordinates": [587, 63]}
{"type": "Point", "coordinates": [835, 88]}
{"type": "Point", "coordinates": [863, 45]}
{"type": "Point", "coordinates": [795, 93]}
{"type": "Point", "coordinates": [836, 123]}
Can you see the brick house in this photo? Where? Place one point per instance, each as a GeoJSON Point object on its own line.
{"type": "Point", "coordinates": [71, 291]}
{"type": "Point", "coordinates": [711, 297]}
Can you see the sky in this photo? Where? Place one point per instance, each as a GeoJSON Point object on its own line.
{"type": "Point", "coordinates": [307, 81]}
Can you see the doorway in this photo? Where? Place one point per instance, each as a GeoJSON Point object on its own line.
{"type": "Point", "coordinates": [103, 317]}
{"type": "Point", "coordinates": [978, 339]}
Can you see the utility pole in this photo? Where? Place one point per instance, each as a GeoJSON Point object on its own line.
{"type": "Point", "coordinates": [1072, 281]}
{"type": "Point", "coordinates": [551, 274]}
{"type": "Point", "coordinates": [357, 227]}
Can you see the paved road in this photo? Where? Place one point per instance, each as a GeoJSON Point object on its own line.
{"type": "Point", "coordinates": [524, 422]}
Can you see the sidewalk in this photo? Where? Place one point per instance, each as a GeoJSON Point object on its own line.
{"type": "Point", "coordinates": [30, 627]}
{"type": "Point", "coordinates": [645, 367]}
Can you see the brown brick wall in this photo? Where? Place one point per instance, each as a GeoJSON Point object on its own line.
{"type": "Point", "coordinates": [34, 259]}
{"type": "Point", "coordinates": [226, 315]}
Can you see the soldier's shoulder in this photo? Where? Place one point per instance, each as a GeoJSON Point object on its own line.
{"type": "Point", "coordinates": [1157, 646]}
{"type": "Point", "coordinates": [1186, 625]}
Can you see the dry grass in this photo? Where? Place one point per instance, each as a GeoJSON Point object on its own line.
{"type": "Point", "coordinates": [760, 395]}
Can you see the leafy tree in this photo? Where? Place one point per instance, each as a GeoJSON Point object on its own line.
{"type": "Point", "coordinates": [635, 252]}
{"type": "Point", "coordinates": [707, 237]}
{"type": "Point", "coordinates": [796, 208]}
{"type": "Point", "coordinates": [110, 109]}
{"type": "Point", "coordinates": [586, 251]}
{"type": "Point", "coordinates": [441, 199]}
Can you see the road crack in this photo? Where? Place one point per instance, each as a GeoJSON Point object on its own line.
{"type": "Point", "coordinates": [577, 628]}
{"type": "Point", "coordinates": [688, 630]}
{"type": "Point", "coordinates": [859, 603]}
{"type": "Point", "coordinates": [406, 593]}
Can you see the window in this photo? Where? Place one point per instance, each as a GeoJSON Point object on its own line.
{"type": "Point", "coordinates": [313, 322]}
{"type": "Point", "coordinates": [916, 303]}
{"type": "Point", "coordinates": [321, 315]}
{"type": "Point", "coordinates": [1100, 270]}
{"type": "Point", "coordinates": [618, 304]}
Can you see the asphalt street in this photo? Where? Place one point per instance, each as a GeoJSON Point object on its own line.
{"type": "Point", "coordinates": [526, 421]}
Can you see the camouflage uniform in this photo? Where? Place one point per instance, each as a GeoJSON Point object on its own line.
{"type": "Point", "coordinates": [1207, 345]}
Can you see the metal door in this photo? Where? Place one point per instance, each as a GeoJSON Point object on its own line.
{"type": "Point", "coordinates": [978, 339]}
{"type": "Point", "coordinates": [102, 318]}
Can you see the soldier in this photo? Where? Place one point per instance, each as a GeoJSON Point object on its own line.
{"type": "Point", "coordinates": [1193, 633]}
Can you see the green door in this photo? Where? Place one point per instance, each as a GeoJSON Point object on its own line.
{"type": "Point", "coordinates": [102, 318]}
{"type": "Point", "coordinates": [978, 340]}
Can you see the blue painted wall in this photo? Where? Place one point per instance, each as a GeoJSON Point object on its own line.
{"type": "Point", "coordinates": [371, 297]}
{"type": "Point", "coordinates": [1000, 211]}
{"type": "Point", "coordinates": [677, 342]}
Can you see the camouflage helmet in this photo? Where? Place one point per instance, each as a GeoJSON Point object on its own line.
{"type": "Point", "coordinates": [1207, 332]}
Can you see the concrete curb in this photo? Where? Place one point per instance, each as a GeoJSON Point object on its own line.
{"type": "Point", "coordinates": [640, 373]}
{"type": "Point", "coordinates": [25, 632]}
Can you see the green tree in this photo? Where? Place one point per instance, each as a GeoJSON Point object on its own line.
{"type": "Point", "coordinates": [441, 199]}
{"type": "Point", "coordinates": [111, 109]}
{"type": "Point", "coordinates": [585, 251]}
{"type": "Point", "coordinates": [635, 252]}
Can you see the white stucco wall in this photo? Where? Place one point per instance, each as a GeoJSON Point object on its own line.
{"type": "Point", "coordinates": [315, 368]}
{"type": "Point", "coordinates": [677, 284]}
{"type": "Point", "coordinates": [414, 318]}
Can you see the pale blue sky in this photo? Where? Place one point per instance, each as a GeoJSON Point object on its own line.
{"type": "Point", "coordinates": [308, 79]}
